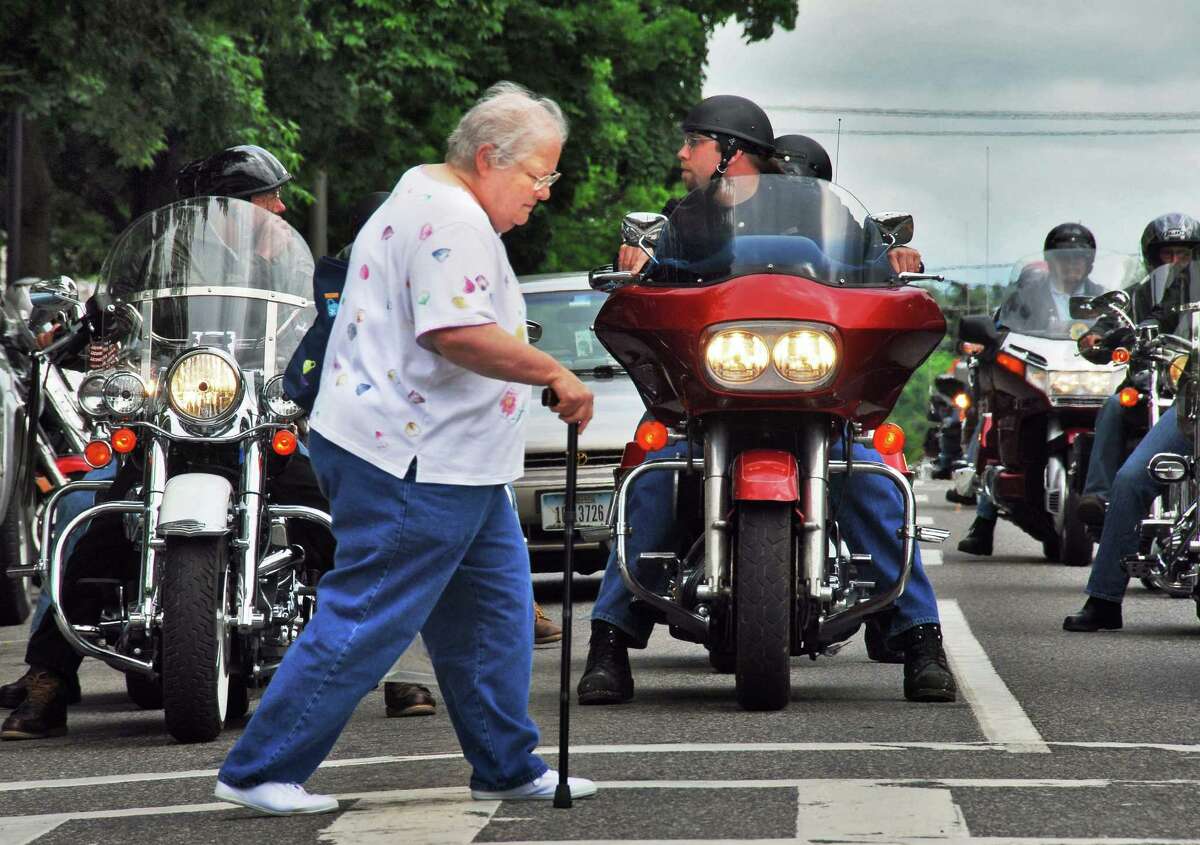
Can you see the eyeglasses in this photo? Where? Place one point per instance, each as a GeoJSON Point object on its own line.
{"type": "Point", "coordinates": [271, 195]}
{"type": "Point", "coordinates": [540, 182]}
{"type": "Point", "coordinates": [692, 139]}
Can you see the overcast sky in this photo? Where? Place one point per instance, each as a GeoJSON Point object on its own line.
{"type": "Point", "coordinates": [1020, 56]}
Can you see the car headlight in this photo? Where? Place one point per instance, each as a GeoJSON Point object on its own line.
{"type": "Point", "coordinates": [737, 356]}
{"type": "Point", "coordinates": [1176, 370]}
{"type": "Point", "coordinates": [278, 402]}
{"type": "Point", "coordinates": [91, 394]}
{"type": "Point", "coordinates": [805, 356]}
{"type": "Point", "coordinates": [203, 386]}
{"type": "Point", "coordinates": [124, 394]}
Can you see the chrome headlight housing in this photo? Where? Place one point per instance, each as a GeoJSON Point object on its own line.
{"type": "Point", "coordinates": [775, 356]}
{"type": "Point", "coordinates": [91, 394]}
{"type": "Point", "coordinates": [278, 402]}
{"type": "Point", "coordinates": [205, 386]}
{"type": "Point", "coordinates": [124, 394]}
{"type": "Point", "coordinates": [1176, 370]}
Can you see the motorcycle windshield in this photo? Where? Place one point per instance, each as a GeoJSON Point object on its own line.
{"type": "Point", "coordinates": [770, 223]}
{"type": "Point", "coordinates": [210, 271]}
{"type": "Point", "coordinates": [1037, 299]}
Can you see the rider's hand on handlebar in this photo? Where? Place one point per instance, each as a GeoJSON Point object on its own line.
{"type": "Point", "coordinates": [904, 259]}
{"type": "Point", "coordinates": [574, 400]}
{"type": "Point", "coordinates": [631, 258]}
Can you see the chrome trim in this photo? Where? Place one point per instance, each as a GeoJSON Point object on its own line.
{"type": "Point", "coordinates": [247, 542]}
{"type": "Point", "coordinates": [716, 504]}
{"type": "Point", "coordinates": [814, 502]}
{"type": "Point", "coordinates": [49, 462]}
{"type": "Point", "coordinates": [244, 293]}
{"type": "Point", "coordinates": [219, 440]}
{"type": "Point", "coordinates": [49, 512]}
{"type": "Point", "coordinates": [234, 406]}
{"type": "Point", "coordinates": [152, 498]}
{"type": "Point", "coordinates": [301, 512]}
{"type": "Point", "coordinates": [269, 341]}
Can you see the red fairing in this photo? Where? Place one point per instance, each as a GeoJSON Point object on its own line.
{"type": "Point", "coordinates": [71, 464]}
{"type": "Point", "coordinates": [1074, 433]}
{"type": "Point", "coordinates": [765, 475]}
{"type": "Point", "coordinates": [896, 461]}
{"type": "Point", "coordinates": [882, 335]}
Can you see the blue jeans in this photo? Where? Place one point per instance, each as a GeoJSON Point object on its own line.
{"type": "Point", "coordinates": [446, 560]}
{"type": "Point", "coordinates": [868, 509]}
{"type": "Point", "coordinates": [1108, 448]}
{"type": "Point", "coordinates": [985, 508]}
{"type": "Point", "coordinates": [1133, 492]}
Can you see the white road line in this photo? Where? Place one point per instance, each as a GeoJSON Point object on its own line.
{"type": "Point", "coordinates": [446, 817]}
{"type": "Point", "coordinates": [835, 811]}
{"type": "Point", "coordinates": [931, 557]}
{"type": "Point", "coordinates": [921, 498]}
{"type": "Point", "coordinates": [924, 520]}
{"type": "Point", "coordinates": [996, 709]}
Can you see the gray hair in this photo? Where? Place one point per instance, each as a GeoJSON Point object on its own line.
{"type": "Point", "coordinates": [510, 118]}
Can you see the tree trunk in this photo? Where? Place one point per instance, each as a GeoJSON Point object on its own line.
{"type": "Point", "coordinates": [37, 196]}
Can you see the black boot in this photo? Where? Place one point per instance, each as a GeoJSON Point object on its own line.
{"type": "Point", "coordinates": [11, 695]}
{"type": "Point", "coordinates": [607, 678]}
{"type": "Point", "coordinates": [402, 699]}
{"type": "Point", "coordinates": [927, 675]}
{"type": "Point", "coordinates": [1091, 510]}
{"type": "Point", "coordinates": [43, 713]}
{"type": "Point", "coordinates": [877, 643]}
{"type": "Point", "coordinates": [979, 537]}
{"type": "Point", "coordinates": [1096, 615]}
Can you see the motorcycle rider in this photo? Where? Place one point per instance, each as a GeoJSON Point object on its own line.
{"type": "Point", "coordinates": [731, 136]}
{"type": "Point", "coordinates": [1169, 243]}
{"type": "Point", "coordinates": [1039, 301]}
{"type": "Point", "coordinates": [51, 682]}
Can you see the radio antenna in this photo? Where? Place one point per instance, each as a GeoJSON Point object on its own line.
{"type": "Point", "coordinates": [837, 155]}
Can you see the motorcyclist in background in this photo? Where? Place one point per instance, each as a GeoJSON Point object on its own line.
{"type": "Point", "coordinates": [1040, 299]}
{"type": "Point", "coordinates": [1169, 243]}
{"type": "Point", "coordinates": [51, 682]}
{"type": "Point", "coordinates": [731, 136]}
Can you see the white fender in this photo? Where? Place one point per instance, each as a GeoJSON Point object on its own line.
{"type": "Point", "coordinates": [196, 504]}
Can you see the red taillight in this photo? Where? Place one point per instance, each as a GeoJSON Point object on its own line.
{"type": "Point", "coordinates": [98, 453]}
{"type": "Point", "coordinates": [123, 440]}
{"type": "Point", "coordinates": [1128, 397]}
{"type": "Point", "coordinates": [888, 439]}
{"type": "Point", "coordinates": [1120, 355]}
{"type": "Point", "coordinates": [632, 456]}
{"type": "Point", "coordinates": [1014, 365]}
{"type": "Point", "coordinates": [651, 435]}
{"type": "Point", "coordinates": [284, 442]}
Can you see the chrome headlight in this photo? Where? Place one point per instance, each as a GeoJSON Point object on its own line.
{"type": "Point", "coordinates": [805, 357]}
{"type": "Point", "coordinates": [1098, 383]}
{"type": "Point", "coordinates": [91, 394]}
{"type": "Point", "coordinates": [278, 402]}
{"type": "Point", "coordinates": [124, 394]}
{"type": "Point", "coordinates": [204, 386]}
{"type": "Point", "coordinates": [1176, 370]}
{"type": "Point", "coordinates": [737, 356]}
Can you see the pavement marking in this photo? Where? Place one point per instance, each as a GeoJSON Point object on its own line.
{"type": "Point", "coordinates": [931, 557]}
{"type": "Point", "coordinates": [835, 811]}
{"type": "Point", "coordinates": [436, 817]}
{"type": "Point", "coordinates": [921, 498]}
{"type": "Point", "coordinates": [995, 707]}
{"type": "Point", "coordinates": [924, 520]}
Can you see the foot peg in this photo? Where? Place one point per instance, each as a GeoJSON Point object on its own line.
{"type": "Point", "coordinates": [928, 534]}
{"type": "Point", "coordinates": [1141, 566]}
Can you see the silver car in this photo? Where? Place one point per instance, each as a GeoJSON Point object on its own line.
{"type": "Point", "coordinates": [564, 306]}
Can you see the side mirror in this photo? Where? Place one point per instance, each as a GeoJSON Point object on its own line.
{"type": "Point", "coordinates": [606, 279]}
{"type": "Point", "coordinates": [53, 293]}
{"type": "Point", "coordinates": [641, 228]}
{"type": "Point", "coordinates": [533, 330]}
{"type": "Point", "coordinates": [977, 329]}
{"type": "Point", "coordinates": [1083, 308]}
{"type": "Point", "coordinates": [1112, 299]}
{"type": "Point", "coordinates": [895, 226]}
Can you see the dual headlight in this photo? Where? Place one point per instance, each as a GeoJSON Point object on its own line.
{"type": "Point", "coordinates": [1088, 383]}
{"type": "Point", "coordinates": [119, 394]}
{"type": "Point", "coordinates": [781, 355]}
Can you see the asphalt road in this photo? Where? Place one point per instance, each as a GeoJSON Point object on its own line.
{"type": "Point", "coordinates": [1056, 737]}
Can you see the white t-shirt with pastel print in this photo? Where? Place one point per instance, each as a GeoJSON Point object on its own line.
{"type": "Point", "coordinates": [427, 259]}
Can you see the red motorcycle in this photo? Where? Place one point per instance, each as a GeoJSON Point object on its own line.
{"type": "Point", "coordinates": [767, 329]}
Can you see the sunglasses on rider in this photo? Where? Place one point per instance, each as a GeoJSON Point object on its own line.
{"type": "Point", "coordinates": [692, 139]}
{"type": "Point", "coordinates": [540, 182]}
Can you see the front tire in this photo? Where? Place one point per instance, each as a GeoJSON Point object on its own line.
{"type": "Point", "coordinates": [1074, 542]}
{"type": "Point", "coordinates": [197, 682]}
{"type": "Point", "coordinates": [762, 591]}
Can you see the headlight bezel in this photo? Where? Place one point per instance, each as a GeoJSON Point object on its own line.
{"type": "Point", "coordinates": [1060, 385]}
{"type": "Point", "coordinates": [91, 394]}
{"type": "Point", "coordinates": [770, 333]}
{"type": "Point", "coordinates": [109, 386]}
{"type": "Point", "coordinates": [272, 392]}
{"type": "Point", "coordinates": [230, 410]}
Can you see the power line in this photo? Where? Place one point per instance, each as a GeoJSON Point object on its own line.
{"type": "Point", "coordinates": [994, 114]}
{"type": "Point", "coordinates": [1004, 133]}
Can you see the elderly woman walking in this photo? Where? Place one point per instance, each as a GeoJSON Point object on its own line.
{"type": "Point", "coordinates": [418, 427]}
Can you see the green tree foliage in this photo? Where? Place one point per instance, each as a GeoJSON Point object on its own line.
{"type": "Point", "coordinates": [120, 93]}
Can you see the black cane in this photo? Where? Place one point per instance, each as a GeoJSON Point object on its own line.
{"type": "Point", "coordinates": [562, 792]}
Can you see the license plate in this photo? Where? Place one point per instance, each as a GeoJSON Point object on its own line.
{"type": "Point", "coordinates": [591, 509]}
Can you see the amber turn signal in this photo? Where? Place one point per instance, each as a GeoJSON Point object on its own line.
{"type": "Point", "coordinates": [651, 435]}
{"type": "Point", "coordinates": [1128, 397]}
{"type": "Point", "coordinates": [888, 439]}
{"type": "Point", "coordinates": [1014, 365]}
{"type": "Point", "coordinates": [123, 440]}
{"type": "Point", "coordinates": [98, 453]}
{"type": "Point", "coordinates": [284, 442]}
{"type": "Point", "coordinates": [1120, 355]}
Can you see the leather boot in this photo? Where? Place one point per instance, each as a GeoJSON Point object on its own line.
{"type": "Point", "coordinates": [927, 675]}
{"type": "Point", "coordinates": [43, 713]}
{"type": "Point", "coordinates": [408, 699]}
{"type": "Point", "coordinates": [877, 644]}
{"type": "Point", "coordinates": [1092, 509]}
{"type": "Point", "coordinates": [607, 678]}
{"type": "Point", "coordinates": [979, 537]}
{"type": "Point", "coordinates": [1096, 615]}
{"type": "Point", "coordinates": [544, 629]}
{"type": "Point", "coordinates": [11, 695]}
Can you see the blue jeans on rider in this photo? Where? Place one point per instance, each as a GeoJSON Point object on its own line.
{"type": "Point", "coordinates": [69, 507]}
{"type": "Point", "coordinates": [985, 508]}
{"type": "Point", "coordinates": [1108, 448]}
{"type": "Point", "coordinates": [1133, 491]}
{"type": "Point", "coordinates": [869, 510]}
{"type": "Point", "coordinates": [448, 561]}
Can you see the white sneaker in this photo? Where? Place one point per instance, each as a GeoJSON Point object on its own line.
{"type": "Point", "coordinates": [277, 799]}
{"type": "Point", "coordinates": [538, 789]}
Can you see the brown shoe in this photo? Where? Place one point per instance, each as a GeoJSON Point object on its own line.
{"type": "Point", "coordinates": [43, 713]}
{"type": "Point", "coordinates": [11, 695]}
{"type": "Point", "coordinates": [544, 630]}
{"type": "Point", "coordinates": [408, 699]}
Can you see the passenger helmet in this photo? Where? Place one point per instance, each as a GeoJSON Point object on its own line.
{"type": "Point", "coordinates": [1173, 229]}
{"type": "Point", "coordinates": [241, 171]}
{"type": "Point", "coordinates": [800, 155]}
{"type": "Point", "coordinates": [1070, 236]}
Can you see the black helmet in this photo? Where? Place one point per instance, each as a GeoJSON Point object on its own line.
{"type": "Point", "coordinates": [734, 117]}
{"type": "Point", "coordinates": [241, 171]}
{"type": "Point", "coordinates": [800, 155]}
{"type": "Point", "coordinates": [1070, 236]}
{"type": "Point", "coordinates": [1174, 229]}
